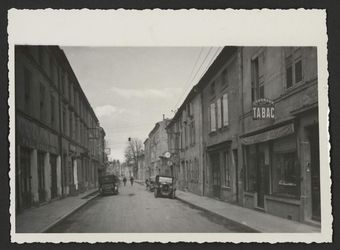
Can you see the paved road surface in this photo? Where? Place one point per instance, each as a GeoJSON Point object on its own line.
{"type": "Point", "coordinates": [136, 210]}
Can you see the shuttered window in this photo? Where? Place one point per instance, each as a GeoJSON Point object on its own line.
{"type": "Point", "coordinates": [225, 110]}
{"type": "Point", "coordinates": [212, 117]}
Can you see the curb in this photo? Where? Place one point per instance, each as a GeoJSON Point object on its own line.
{"type": "Point", "coordinates": [220, 218]}
{"type": "Point", "coordinates": [45, 229]}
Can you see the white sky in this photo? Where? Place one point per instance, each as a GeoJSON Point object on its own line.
{"type": "Point", "coordinates": [130, 88]}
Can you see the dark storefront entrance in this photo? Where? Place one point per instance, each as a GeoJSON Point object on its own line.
{"type": "Point", "coordinates": [261, 179]}
{"type": "Point", "coordinates": [54, 188]}
{"type": "Point", "coordinates": [315, 171]}
{"type": "Point", "coordinates": [41, 176]}
{"type": "Point", "coordinates": [24, 179]}
{"type": "Point", "coordinates": [216, 174]}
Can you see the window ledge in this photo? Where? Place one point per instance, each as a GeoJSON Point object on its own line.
{"type": "Point", "coordinates": [213, 133]}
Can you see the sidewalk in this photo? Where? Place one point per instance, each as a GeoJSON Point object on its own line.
{"type": "Point", "coordinates": [255, 220]}
{"type": "Point", "coordinates": [40, 219]}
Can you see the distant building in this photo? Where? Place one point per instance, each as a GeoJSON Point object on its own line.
{"type": "Point", "coordinates": [59, 143]}
{"type": "Point", "coordinates": [157, 146]}
{"type": "Point", "coordinates": [141, 166]}
{"type": "Point", "coordinates": [147, 159]}
{"type": "Point", "coordinates": [186, 144]}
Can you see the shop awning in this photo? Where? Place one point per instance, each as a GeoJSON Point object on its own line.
{"type": "Point", "coordinates": [269, 135]}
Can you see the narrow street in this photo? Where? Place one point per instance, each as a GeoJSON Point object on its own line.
{"type": "Point", "coordinates": [136, 210]}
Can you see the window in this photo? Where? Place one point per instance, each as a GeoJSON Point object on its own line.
{"type": "Point", "coordinates": [42, 102]}
{"type": "Point", "coordinates": [212, 117]}
{"type": "Point", "coordinates": [192, 133]}
{"type": "Point", "coordinates": [285, 174]}
{"type": "Point", "coordinates": [225, 110]}
{"type": "Point", "coordinates": [257, 78]}
{"type": "Point", "coordinates": [293, 66]}
{"type": "Point", "coordinates": [219, 113]}
{"type": "Point", "coordinates": [225, 81]}
{"type": "Point", "coordinates": [212, 88]}
{"type": "Point", "coordinates": [52, 110]}
{"type": "Point", "coordinates": [227, 179]}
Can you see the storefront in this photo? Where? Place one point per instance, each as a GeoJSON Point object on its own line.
{"type": "Point", "coordinates": [272, 171]}
{"type": "Point", "coordinates": [222, 167]}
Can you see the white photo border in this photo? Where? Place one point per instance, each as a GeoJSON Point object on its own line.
{"type": "Point", "coordinates": [177, 28]}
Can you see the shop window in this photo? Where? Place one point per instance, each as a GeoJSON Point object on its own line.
{"type": "Point", "coordinates": [257, 78]}
{"type": "Point", "coordinates": [293, 66]}
{"type": "Point", "coordinates": [251, 169]}
{"type": "Point", "coordinates": [286, 174]}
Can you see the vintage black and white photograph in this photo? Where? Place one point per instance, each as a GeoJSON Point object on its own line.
{"type": "Point", "coordinates": [154, 139]}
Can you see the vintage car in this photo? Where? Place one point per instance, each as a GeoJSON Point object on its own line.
{"type": "Point", "coordinates": [108, 184]}
{"type": "Point", "coordinates": [151, 184]}
{"type": "Point", "coordinates": [165, 186]}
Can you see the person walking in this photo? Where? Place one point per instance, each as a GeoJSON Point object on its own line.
{"type": "Point", "coordinates": [131, 180]}
{"type": "Point", "coordinates": [147, 183]}
{"type": "Point", "coordinates": [124, 180]}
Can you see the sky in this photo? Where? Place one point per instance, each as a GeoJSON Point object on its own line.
{"type": "Point", "coordinates": [130, 88]}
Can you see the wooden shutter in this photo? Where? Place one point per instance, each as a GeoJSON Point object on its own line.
{"type": "Point", "coordinates": [213, 117]}
{"type": "Point", "coordinates": [225, 110]}
{"type": "Point", "coordinates": [219, 113]}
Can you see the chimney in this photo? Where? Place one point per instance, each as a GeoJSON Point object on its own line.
{"type": "Point", "coordinates": [163, 117]}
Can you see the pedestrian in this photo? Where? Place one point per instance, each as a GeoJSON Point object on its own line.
{"type": "Point", "coordinates": [131, 180]}
{"type": "Point", "coordinates": [124, 180]}
{"type": "Point", "coordinates": [147, 183]}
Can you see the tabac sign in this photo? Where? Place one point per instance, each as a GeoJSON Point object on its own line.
{"type": "Point", "coordinates": [263, 109]}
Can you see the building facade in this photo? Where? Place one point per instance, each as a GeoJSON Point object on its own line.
{"type": "Point", "coordinates": [185, 144]}
{"type": "Point", "coordinates": [59, 144]}
{"type": "Point", "coordinates": [156, 147]}
{"type": "Point", "coordinates": [281, 154]}
{"type": "Point", "coordinates": [220, 102]}
{"type": "Point", "coordinates": [141, 166]}
{"type": "Point", "coordinates": [259, 131]}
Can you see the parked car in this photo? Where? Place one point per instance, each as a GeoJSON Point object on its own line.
{"type": "Point", "coordinates": [165, 186]}
{"type": "Point", "coordinates": [152, 180]}
{"type": "Point", "coordinates": [108, 184]}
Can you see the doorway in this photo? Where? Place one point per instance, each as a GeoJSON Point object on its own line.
{"type": "Point", "coordinates": [260, 179]}
{"type": "Point", "coordinates": [25, 178]}
{"type": "Point", "coordinates": [54, 188]}
{"type": "Point", "coordinates": [41, 176]}
{"type": "Point", "coordinates": [315, 171]}
{"type": "Point", "coordinates": [216, 175]}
